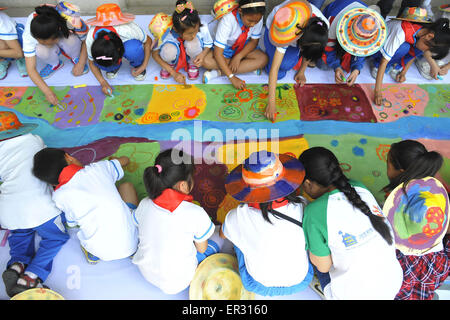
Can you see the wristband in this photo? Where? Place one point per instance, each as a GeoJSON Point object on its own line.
{"type": "Point", "coordinates": [231, 76]}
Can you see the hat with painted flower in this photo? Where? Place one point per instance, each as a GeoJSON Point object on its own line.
{"type": "Point", "coordinates": [284, 28]}
{"type": "Point", "coordinates": [160, 26]}
{"type": "Point", "coordinates": [10, 125]}
{"type": "Point", "coordinates": [222, 7]}
{"type": "Point", "coordinates": [414, 14]}
{"type": "Point", "coordinates": [419, 217]}
{"type": "Point", "coordinates": [361, 31]}
{"type": "Point", "coordinates": [265, 177]}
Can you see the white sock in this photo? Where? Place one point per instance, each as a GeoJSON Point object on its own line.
{"type": "Point", "coordinates": [28, 273]}
{"type": "Point", "coordinates": [15, 267]}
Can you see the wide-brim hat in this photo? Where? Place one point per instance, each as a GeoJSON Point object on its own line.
{"type": "Point", "coordinates": [265, 177]}
{"type": "Point", "coordinates": [160, 26]}
{"type": "Point", "coordinates": [110, 14]}
{"type": "Point", "coordinates": [222, 7]}
{"type": "Point", "coordinates": [10, 125]}
{"type": "Point", "coordinates": [38, 294]}
{"type": "Point", "coordinates": [361, 31]}
{"type": "Point", "coordinates": [68, 9]}
{"type": "Point", "coordinates": [414, 14]}
{"type": "Point", "coordinates": [283, 30]}
{"type": "Point", "coordinates": [419, 218]}
{"type": "Point", "coordinates": [217, 278]}
{"type": "Point", "coordinates": [444, 8]}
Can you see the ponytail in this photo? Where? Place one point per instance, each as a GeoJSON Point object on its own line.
{"type": "Point", "coordinates": [322, 167]}
{"type": "Point", "coordinates": [267, 206]}
{"type": "Point", "coordinates": [48, 24]}
{"type": "Point", "coordinates": [107, 49]}
{"type": "Point", "coordinates": [184, 18]}
{"type": "Point", "coordinates": [314, 39]}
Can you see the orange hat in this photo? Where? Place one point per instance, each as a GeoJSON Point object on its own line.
{"type": "Point", "coordinates": [109, 14]}
{"type": "Point", "coordinates": [284, 25]}
{"type": "Point", "coordinates": [159, 26]}
{"type": "Point", "coordinates": [222, 7]}
{"type": "Point", "coordinates": [10, 125]}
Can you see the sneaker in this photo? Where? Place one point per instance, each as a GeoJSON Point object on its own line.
{"type": "Point", "coordinates": [373, 70]}
{"type": "Point", "coordinates": [11, 275]}
{"type": "Point", "coordinates": [209, 75]}
{"type": "Point", "coordinates": [22, 67]}
{"type": "Point", "coordinates": [424, 68]}
{"type": "Point", "coordinates": [393, 72]}
{"type": "Point", "coordinates": [86, 68]}
{"type": "Point", "coordinates": [258, 72]}
{"type": "Point", "coordinates": [4, 65]}
{"type": "Point", "coordinates": [90, 257]}
{"type": "Point", "coordinates": [193, 72]}
{"type": "Point", "coordinates": [164, 73]}
{"type": "Point", "coordinates": [48, 70]}
{"type": "Point", "coordinates": [316, 287]}
{"type": "Point", "coordinates": [25, 282]}
{"type": "Point", "coordinates": [141, 76]}
{"type": "Point", "coordinates": [112, 74]}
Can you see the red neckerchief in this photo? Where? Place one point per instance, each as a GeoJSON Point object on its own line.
{"type": "Point", "coordinates": [410, 30]}
{"type": "Point", "coordinates": [170, 199]}
{"type": "Point", "coordinates": [240, 42]}
{"type": "Point", "coordinates": [66, 174]}
{"type": "Point", "coordinates": [182, 60]}
{"type": "Point", "coordinates": [275, 204]}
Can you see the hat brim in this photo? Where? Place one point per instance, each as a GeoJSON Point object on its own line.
{"type": "Point", "coordinates": [225, 12]}
{"type": "Point", "coordinates": [219, 267]}
{"type": "Point", "coordinates": [422, 196]}
{"type": "Point", "coordinates": [38, 294]}
{"type": "Point", "coordinates": [24, 129]}
{"type": "Point", "coordinates": [291, 178]}
{"type": "Point", "coordinates": [126, 18]}
{"type": "Point", "coordinates": [412, 20]}
{"type": "Point", "coordinates": [273, 33]}
{"type": "Point", "coordinates": [360, 47]}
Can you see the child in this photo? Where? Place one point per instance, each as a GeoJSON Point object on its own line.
{"type": "Point", "coordinates": [356, 32]}
{"type": "Point", "coordinates": [48, 34]}
{"type": "Point", "coordinates": [269, 247]}
{"type": "Point", "coordinates": [385, 6]}
{"type": "Point", "coordinates": [418, 209]}
{"type": "Point", "coordinates": [114, 36]}
{"type": "Point", "coordinates": [294, 29]}
{"type": "Point", "coordinates": [173, 232]}
{"type": "Point", "coordinates": [346, 234]}
{"type": "Point", "coordinates": [408, 37]}
{"type": "Point", "coordinates": [11, 45]}
{"type": "Point", "coordinates": [187, 45]}
{"type": "Point", "coordinates": [90, 199]}
{"type": "Point", "coordinates": [236, 40]}
{"type": "Point", "coordinates": [26, 208]}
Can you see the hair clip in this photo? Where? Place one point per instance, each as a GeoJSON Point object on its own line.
{"type": "Point", "coordinates": [183, 18]}
{"type": "Point", "coordinates": [320, 23]}
{"type": "Point", "coordinates": [182, 6]}
{"type": "Point", "coordinates": [159, 168]}
{"type": "Point", "coordinates": [103, 58]}
{"type": "Point", "coordinates": [254, 4]}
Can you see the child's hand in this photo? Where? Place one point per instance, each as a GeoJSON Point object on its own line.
{"type": "Point", "coordinates": [235, 63]}
{"type": "Point", "coordinates": [198, 61]}
{"type": "Point", "coordinates": [434, 71]}
{"type": "Point", "coordinates": [300, 79]}
{"type": "Point", "coordinates": [443, 71]}
{"type": "Point", "coordinates": [237, 83]}
{"type": "Point", "coordinates": [400, 77]}
{"type": "Point", "coordinates": [137, 71]}
{"type": "Point", "coordinates": [180, 78]}
{"type": "Point", "coordinates": [270, 113]}
{"type": "Point", "coordinates": [378, 97]}
{"type": "Point", "coordinates": [352, 77]}
{"type": "Point", "coordinates": [339, 76]}
{"type": "Point", "coordinates": [106, 89]}
{"type": "Point", "coordinates": [51, 97]}
{"type": "Point", "coordinates": [78, 69]}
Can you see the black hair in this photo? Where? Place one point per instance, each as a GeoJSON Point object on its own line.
{"type": "Point", "coordinates": [416, 161]}
{"type": "Point", "coordinates": [175, 166]}
{"type": "Point", "coordinates": [186, 19]}
{"type": "Point", "coordinates": [252, 10]}
{"type": "Point", "coordinates": [48, 24]}
{"type": "Point", "coordinates": [48, 164]}
{"type": "Point", "coordinates": [267, 206]}
{"type": "Point", "coordinates": [322, 167]}
{"type": "Point", "coordinates": [440, 43]}
{"type": "Point", "coordinates": [107, 44]}
{"type": "Point", "coordinates": [314, 39]}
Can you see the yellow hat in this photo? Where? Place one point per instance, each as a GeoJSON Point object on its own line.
{"type": "Point", "coordinates": [159, 26]}
{"type": "Point", "coordinates": [38, 294]}
{"type": "Point", "coordinates": [222, 7]}
{"type": "Point", "coordinates": [217, 278]}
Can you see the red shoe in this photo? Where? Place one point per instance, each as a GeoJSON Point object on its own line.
{"type": "Point", "coordinates": [193, 72]}
{"type": "Point", "coordinates": [164, 73]}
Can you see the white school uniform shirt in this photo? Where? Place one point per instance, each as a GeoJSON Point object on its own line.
{"type": "Point", "coordinates": [91, 200]}
{"type": "Point", "coordinates": [203, 35]}
{"type": "Point", "coordinates": [315, 11]}
{"type": "Point", "coordinates": [25, 201]}
{"type": "Point", "coordinates": [127, 31]}
{"type": "Point", "coordinates": [395, 38]}
{"type": "Point", "coordinates": [166, 255]}
{"type": "Point", "coordinates": [274, 254]}
{"type": "Point", "coordinates": [7, 27]}
{"type": "Point", "coordinates": [228, 31]}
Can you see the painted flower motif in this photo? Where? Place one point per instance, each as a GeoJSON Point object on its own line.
{"type": "Point", "coordinates": [192, 112]}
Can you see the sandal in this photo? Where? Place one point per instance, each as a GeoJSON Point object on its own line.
{"type": "Point", "coordinates": [10, 277]}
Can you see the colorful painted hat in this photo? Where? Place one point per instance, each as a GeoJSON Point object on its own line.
{"type": "Point", "coordinates": [70, 12]}
{"type": "Point", "coordinates": [10, 125]}
{"type": "Point", "coordinates": [361, 31]}
{"type": "Point", "coordinates": [217, 278]}
{"type": "Point", "coordinates": [159, 26]}
{"type": "Point", "coordinates": [284, 29]}
{"type": "Point", "coordinates": [38, 294]}
{"type": "Point", "coordinates": [420, 218]}
{"type": "Point", "coordinates": [109, 14]}
{"type": "Point", "coordinates": [265, 177]}
{"type": "Point", "coordinates": [222, 7]}
{"type": "Point", "coordinates": [415, 14]}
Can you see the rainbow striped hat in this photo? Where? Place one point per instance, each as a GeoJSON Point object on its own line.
{"type": "Point", "coordinates": [361, 31]}
{"type": "Point", "coordinates": [265, 177]}
{"type": "Point", "coordinates": [284, 25]}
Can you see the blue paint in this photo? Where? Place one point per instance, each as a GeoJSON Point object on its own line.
{"type": "Point", "coordinates": [357, 151]}
{"type": "Point", "coordinates": [363, 141]}
{"type": "Point", "coordinates": [334, 143]}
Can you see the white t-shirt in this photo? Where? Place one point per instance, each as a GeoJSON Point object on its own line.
{"type": "Point", "coordinates": [395, 38]}
{"type": "Point", "coordinates": [228, 31]}
{"type": "Point", "coordinates": [7, 27]}
{"type": "Point", "coordinates": [316, 12]}
{"type": "Point", "coordinates": [274, 254]}
{"type": "Point", "coordinates": [365, 266]}
{"type": "Point", "coordinates": [166, 255]}
{"type": "Point", "coordinates": [25, 201]}
{"type": "Point", "coordinates": [128, 31]}
{"type": "Point", "coordinates": [203, 35]}
{"type": "Point", "coordinates": [91, 200]}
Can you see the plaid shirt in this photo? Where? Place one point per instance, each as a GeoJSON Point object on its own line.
{"type": "Point", "coordinates": [422, 275]}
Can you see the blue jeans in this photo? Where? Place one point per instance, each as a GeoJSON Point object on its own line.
{"type": "Point", "coordinates": [134, 53]}
{"type": "Point", "coordinates": [22, 248]}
